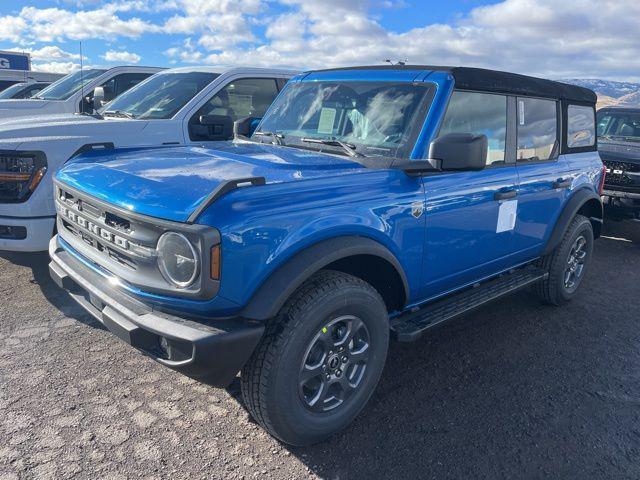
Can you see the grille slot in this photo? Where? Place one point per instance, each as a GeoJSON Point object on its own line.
{"type": "Point", "coordinates": [623, 174]}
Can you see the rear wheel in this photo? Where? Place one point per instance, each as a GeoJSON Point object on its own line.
{"type": "Point", "coordinates": [319, 361]}
{"type": "Point", "coordinates": [568, 263]}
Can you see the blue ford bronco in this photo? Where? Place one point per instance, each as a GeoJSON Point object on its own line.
{"type": "Point", "coordinates": [369, 203]}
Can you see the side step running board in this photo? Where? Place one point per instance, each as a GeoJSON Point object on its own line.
{"type": "Point", "coordinates": [409, 326]}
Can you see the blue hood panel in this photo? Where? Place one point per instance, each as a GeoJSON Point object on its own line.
{"type": "Point", "coordinates": [170, 182]}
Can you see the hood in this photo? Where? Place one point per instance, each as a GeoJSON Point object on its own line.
{"type": "Point", "coordinates": [49, 118]}
{"type": "Point", "coordinates": [170, 182]}
{"type": "Point", "coordinates": [619, 151]}
{"type": "Point", "coordinates": [10, 107]}
{"type": "Point", "coordinates": [67, 125]}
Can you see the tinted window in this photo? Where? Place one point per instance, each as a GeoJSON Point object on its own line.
{"type": "Point", "coordinates": [480, 114]}
{"type": "Point", "coordinates": [537, 129]}
{"type": "Point", "coordinates": [67, 86]}
{"type": "Point", "coordinates": [6, 83]}
{"type": "Point", "coordinates": [377, 118]}
{"type": "Point", "coordinates": [127, 80]}
{"type": "Point", "coordinates": [619, 126]}
{"type": "Point", "coordinates": [160, 96]}
{"type": "Point", "coordinates": [581, 126]}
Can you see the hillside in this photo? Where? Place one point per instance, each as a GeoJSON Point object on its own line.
{"type": "Point", "coordinates": [611, 93]}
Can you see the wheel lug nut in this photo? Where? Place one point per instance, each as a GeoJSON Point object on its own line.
{"type": "Point", "coordinates": [328, 377]}
{"type": "Point", "coordinates": [339, 372]}
{"type": "Point", "coordinates": [344, 359]}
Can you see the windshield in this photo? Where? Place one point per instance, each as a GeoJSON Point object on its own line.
{"type": "Point", "coordinates": [372, 118]}
{"type": "Point", "coordinates": [160, 96]}
{"type": "Point", "coordinates": [12, 90]}
{"type": "Point", "coordinates": [619, 126]}
{"type": "Point", "coordinates": [67, 86]}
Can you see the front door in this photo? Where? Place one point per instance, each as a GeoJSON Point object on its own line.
{"type": "Point", "coordinates": [470, 216]}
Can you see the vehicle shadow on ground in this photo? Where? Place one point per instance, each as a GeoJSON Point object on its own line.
{"type": "Point", "coordinates": [39, 265]}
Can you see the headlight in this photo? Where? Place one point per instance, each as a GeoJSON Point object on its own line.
{"type": "Point", "coordinates": [177, 259]}
{"type": "Point", "coordinates": [20, 174]}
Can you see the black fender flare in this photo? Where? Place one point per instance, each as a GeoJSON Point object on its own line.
{"type": "Point", "coordinates": [270, 297]}
{"type": "Point", "coordinates": [579, 199]}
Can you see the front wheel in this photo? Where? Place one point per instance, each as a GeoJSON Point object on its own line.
{"type": "Point", "coordinates": [319, 360]}
{"type": "Point", "coordinates": [568, 264]}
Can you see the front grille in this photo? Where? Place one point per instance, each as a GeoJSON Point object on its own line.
{"type": "Point", "coordinates": [124, 243]}
{"type": "Point", "coordinates": [106, 237]}
{"type": "Point", "coordinates": [623, 174]}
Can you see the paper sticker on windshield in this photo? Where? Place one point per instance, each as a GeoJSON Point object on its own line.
{"type": "Point", "coordinates": [507, 216]}
{"type": "Point", "coordinates": [327, 118]}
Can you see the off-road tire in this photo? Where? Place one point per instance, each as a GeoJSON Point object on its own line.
{"type": "Point", "coordinates": [553, 291]}
{"type": "Point", "coordinates": [269, 380]}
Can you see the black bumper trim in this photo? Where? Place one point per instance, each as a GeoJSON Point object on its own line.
{"type": "Point", "coordinates": [213, 352]}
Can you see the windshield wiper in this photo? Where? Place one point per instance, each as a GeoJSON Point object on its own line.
{"type": "Point", "coordinates": [278, 138]}
{"type": "Point", "coordinates": [349, 148]}
{"type": "Point", "coordinates": [118, 113]}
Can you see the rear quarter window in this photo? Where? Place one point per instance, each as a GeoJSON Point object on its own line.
{"type": "Point", "coordinates": [581, 130]}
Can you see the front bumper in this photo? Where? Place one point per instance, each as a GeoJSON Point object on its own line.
{"type": "Point", "coordinates": [36, 236]}
{"type": "Point", "coordinates": [211, 351]}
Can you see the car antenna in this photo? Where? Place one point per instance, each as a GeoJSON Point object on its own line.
{"type": "Point", "coordinates": [81, 83]}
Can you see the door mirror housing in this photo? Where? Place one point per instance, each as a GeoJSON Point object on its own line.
{"type": "Point", "coordinates": [98, 98]}
{"type": "Point", "coordinates": [245, 127]}
{"type": "Point", "coordinates": [459, 151]}
{"type": "Point", "coordinates": [214, 127]}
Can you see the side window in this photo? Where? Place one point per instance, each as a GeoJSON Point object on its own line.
{"type": "Point", "coordinates": [127, 80]}
{"type": "Point", "coordinates": [537, 129]}
{"type": "Point", "coordinates": [581, 130]}
{"type": "Point", "coordinates": [247, 97]}
{"type": "Point", "coordinates": [480, 114]}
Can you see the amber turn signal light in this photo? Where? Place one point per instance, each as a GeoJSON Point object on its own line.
{"type": "Point", "coordinates": [215, 262]}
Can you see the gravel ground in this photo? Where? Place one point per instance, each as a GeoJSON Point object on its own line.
{"type": "Point", "coordinates": [516, 390]}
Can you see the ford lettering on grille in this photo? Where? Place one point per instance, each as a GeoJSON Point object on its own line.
{"type": "Point", "coordinates": [86, 224]}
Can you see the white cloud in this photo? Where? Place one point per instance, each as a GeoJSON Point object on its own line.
{"type": "Point", "coordinates": [56, 67]}
{"type": "Point", "coordinates": [121, 56]}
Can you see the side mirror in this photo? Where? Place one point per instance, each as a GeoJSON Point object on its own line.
{"type": "Point", "coordinates": [98, 97]}
{"type": "Point", "coordinates": [460, 151]}
{"type": "Point", "coordinates": [215, 127]}
{"type": "Point", "coordinates": [245, 126]}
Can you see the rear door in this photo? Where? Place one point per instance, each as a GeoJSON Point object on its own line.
{"type": "Point", "coordinates": [541, 184]}
{"type": "Point", "coordinates": [469, 215]}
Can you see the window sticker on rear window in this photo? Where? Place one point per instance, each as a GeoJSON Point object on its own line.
{"type": "Point", "coordinates": [327, 119]}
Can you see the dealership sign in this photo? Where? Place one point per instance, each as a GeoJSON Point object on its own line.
{"type": "Point", "coordinates": [14, 61]}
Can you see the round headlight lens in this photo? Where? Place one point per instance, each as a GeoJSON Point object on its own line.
{"type": "Point", "coordinates": [177, 259]}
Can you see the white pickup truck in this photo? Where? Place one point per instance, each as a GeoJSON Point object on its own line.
{"type": "Point", "coordinates": [178, 106]}
{"type": "Point", "coordinates": [74, 92]}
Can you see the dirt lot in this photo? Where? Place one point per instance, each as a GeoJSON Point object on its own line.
{"type": "Point", "coordinates": [516, 390]}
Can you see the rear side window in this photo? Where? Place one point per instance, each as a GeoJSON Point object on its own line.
{"type": "Point", "coordinates": [480, 114]}
{"type": "Point", "coordinates": [537, 131]}
{"type": "Point", "coordinates": [581, 130]}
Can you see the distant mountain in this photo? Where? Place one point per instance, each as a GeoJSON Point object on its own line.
{"type": "Point", "coordinates": [611, 93]}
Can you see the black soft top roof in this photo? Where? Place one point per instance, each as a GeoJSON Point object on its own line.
{"type": "Point", "coordinates": [469, 78]}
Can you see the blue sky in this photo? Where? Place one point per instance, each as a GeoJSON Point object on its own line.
{"type": "Point", "coordinates": [572, 38]}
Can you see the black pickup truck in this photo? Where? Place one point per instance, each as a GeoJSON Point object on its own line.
{"type": "Point", "coordinates": [619, 147]}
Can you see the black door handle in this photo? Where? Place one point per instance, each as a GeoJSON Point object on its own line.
{"type": "Point", "coordinates": [562, 183]}
{"type": "Point", "coordinates": [505, 194]}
